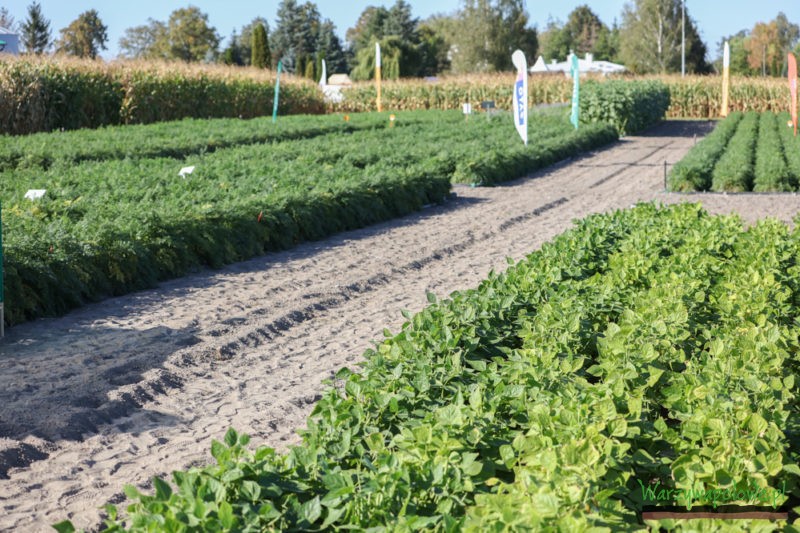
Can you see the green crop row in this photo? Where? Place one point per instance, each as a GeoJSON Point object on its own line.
{"type": "Point", "coordinates": [734, 171]}
{"type": "Point", "coordinates": [694, 171]}
{"type": "Point", "coordinates": [749, 152]}
{"type": "Point", "coordinates": [46, 94]}
{"type": "Point", "coordinates": [791, 146]}
{"type": "Point", "coordinates": [108, 227]}
{"type": "Point", "coordinates": [176, 139]}
{"type": "Point", "coordinates": [643, 348]}
{"type": "Point", "coordinates": [631, 106]}
{"type": "Point", "coordinates": [771, 170]}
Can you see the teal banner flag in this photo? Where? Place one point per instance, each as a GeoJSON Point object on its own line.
{"type": "Point", "coordinates": [576, 91]}
{"type": "Point", "coordinates": [2, 310]}
{"type": "Point", "coordinates": [277, 93]}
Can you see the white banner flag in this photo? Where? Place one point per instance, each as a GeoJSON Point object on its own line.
{"type": "Point", "coordinates": [521, 95]}
{"type": "Point", "coordinates": [323, 81]}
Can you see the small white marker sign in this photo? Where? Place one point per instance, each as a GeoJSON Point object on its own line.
{"type": "Point", "coordinates": [35, 194]}
{"type": "Point", "coordinates": [186, 170]}
{"type": "Point", "coordinates": [467, 109]}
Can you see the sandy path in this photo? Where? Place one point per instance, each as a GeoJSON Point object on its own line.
{"type": "Point", "coordinates": [137, 386]}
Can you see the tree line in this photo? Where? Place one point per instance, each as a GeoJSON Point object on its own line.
{"type": "Point", "coordinates": [478, 37]}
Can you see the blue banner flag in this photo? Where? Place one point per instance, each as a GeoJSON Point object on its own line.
{"type": "Point", "coordinates": [520, 100]}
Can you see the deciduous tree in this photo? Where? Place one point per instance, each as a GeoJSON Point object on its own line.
{"type": "Point", "coordinates": [84, 37]}
{"type": "Point", "coordinates": [486, 32]}
{"type": "Point", "coordinates": [768, 45]}
{"type": "Point", "coordinates": [187, 36]}
{"type": "Point", "coordinates": [190, 36]}
{"type": "Point", "coordinates": [650, 38]}
{"type": "Point", "coordinates": [148, 41]}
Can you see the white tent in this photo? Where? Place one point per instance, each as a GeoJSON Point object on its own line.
{"type": "Point", "coordinates": [588, 64]}
{"type": "Point", "coordinates": [9, 41]}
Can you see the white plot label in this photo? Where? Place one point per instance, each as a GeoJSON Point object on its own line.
{"type": "Point", "coordinates": [186, 170]}
{"type": "Point", "coordinates": [35, 194]}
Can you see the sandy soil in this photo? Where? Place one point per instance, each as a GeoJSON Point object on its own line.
{"type": "Point", "coordinates": [138, 386]}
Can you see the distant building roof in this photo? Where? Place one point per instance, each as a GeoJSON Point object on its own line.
{"type": "Point", "coordinates": [9, 41]}
{"type": "Point", "coordinates": [588, 64]}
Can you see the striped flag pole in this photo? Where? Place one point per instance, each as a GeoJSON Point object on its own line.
{"type": "Point", "coordinates": [378, 73]}
{"type": "Point", "coordinates": [793, 89]}
{"type": "Point", "coordinates": [726, 78]}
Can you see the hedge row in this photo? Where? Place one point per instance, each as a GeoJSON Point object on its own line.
{"type": "Point", "coordinates": [630, 106]}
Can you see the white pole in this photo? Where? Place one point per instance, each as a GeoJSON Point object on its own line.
{"type": "Point", "coordinates": [683, 38]}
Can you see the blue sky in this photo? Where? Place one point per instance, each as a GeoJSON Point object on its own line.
{"type": "Point", "coordinates": [715, 19]}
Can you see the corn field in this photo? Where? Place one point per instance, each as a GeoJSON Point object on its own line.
{"type": "Point", "coordinates": [45, 94]}
{"type": "Point", "coordinates": [691, 97]}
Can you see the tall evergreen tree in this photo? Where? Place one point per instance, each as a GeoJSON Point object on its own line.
{"type": "Point", "coordinates": [245, 39]}
{"type": "Point", "coordinates": [330, 48]}
{"type": "Point", "coordinates": [260, 56]}
{"type": "Point", "coordinates": [36, 34]}
{"type": "Point", "coordinates": [232, 55]}
{"type": "Point", "coordinates": [7, 19]}
{"type": "Point", "coordinates": [400, 23]}
{"type": "Point", "coordinates": [295, 34]}
{"type": "Point", "coordinates": [583, 33]}
{"type": "Point", "coordinates": [408, 50]}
